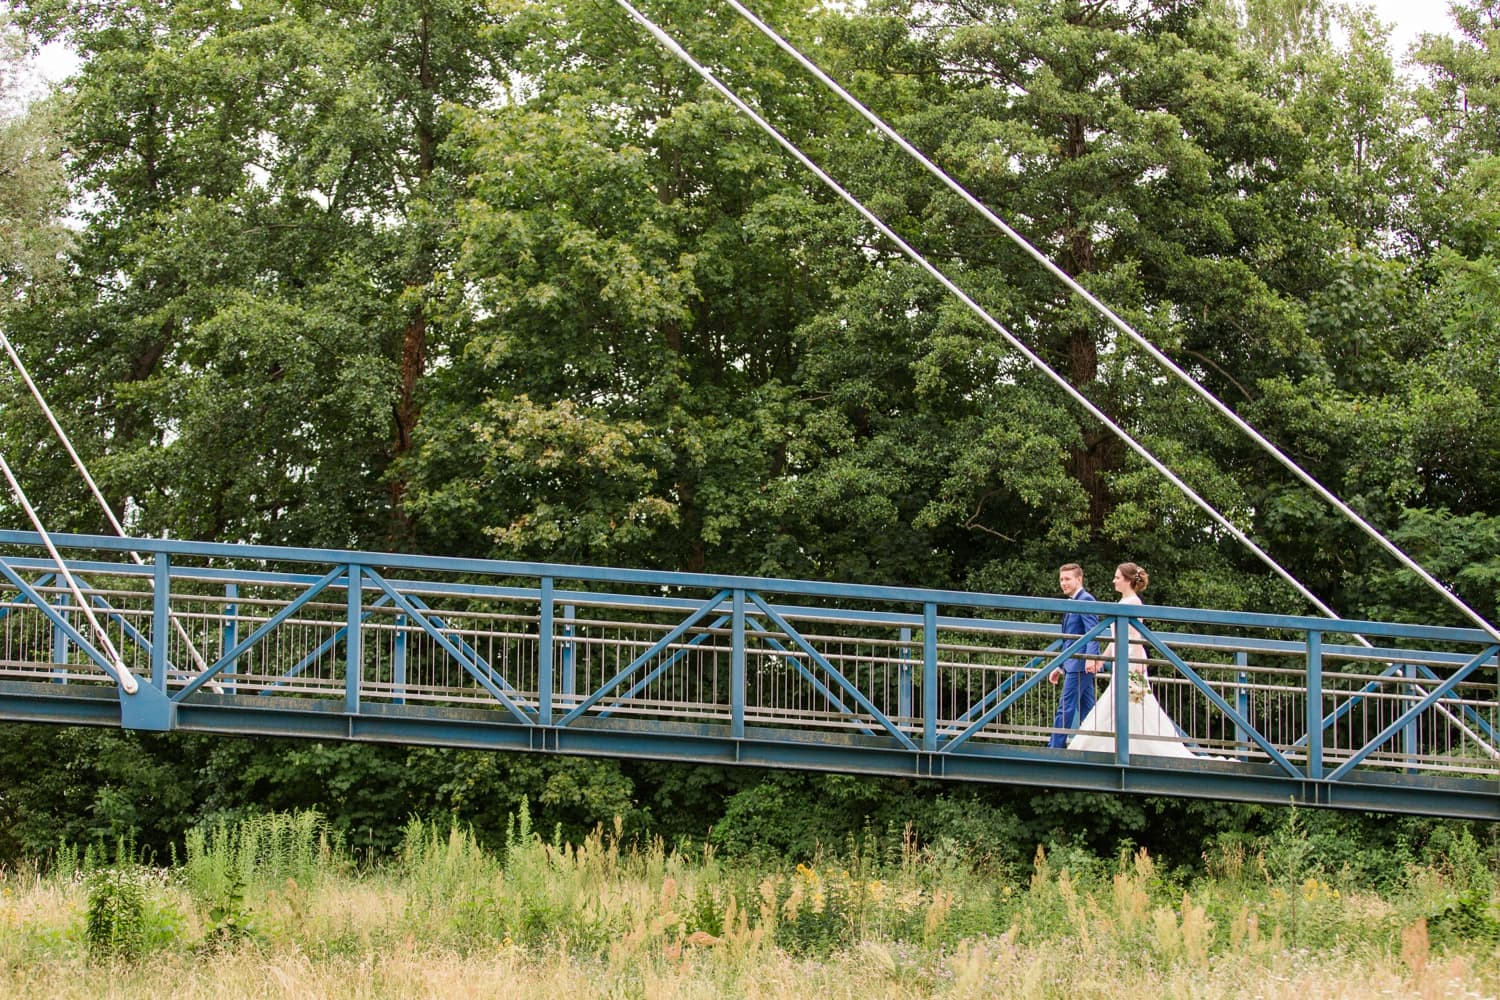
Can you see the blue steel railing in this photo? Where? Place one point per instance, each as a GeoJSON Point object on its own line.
{"type": "Point", "coordinates": [598, 660]}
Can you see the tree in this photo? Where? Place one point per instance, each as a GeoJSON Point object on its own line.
{"type": "Point", "coordinates": [260, 188]}
{"type": "Point", "coordinates": [33, 188]}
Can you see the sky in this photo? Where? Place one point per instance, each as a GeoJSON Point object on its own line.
{"type": "Point", "coordinates": [1411, 18]}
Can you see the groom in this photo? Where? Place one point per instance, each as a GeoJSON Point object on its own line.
{"type": "Point", "coordinates": [1077, 675]}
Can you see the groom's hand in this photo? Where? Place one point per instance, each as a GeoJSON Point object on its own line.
{"type": "Point", "coordinates": [1055, 676]}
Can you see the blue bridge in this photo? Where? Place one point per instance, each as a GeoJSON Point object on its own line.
{"type": "Point", "coordinates": [265, 641]}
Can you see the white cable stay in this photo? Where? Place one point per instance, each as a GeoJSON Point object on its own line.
{"type": "Point", "coordinates": [1120, 324]}
{"type": "Point", "coordinates": [672, 46]}
{"type": "Point", "coordinates": [123, 676]}
{"type": "Point", "coordinates": [78, 463]}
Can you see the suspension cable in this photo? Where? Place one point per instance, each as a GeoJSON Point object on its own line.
{"type": "Point", "coordinates": [126, 679]}
{"type": "Point", "coordinates": [1119, 324]}
{"type": "Point", "coordinates": [672, 46]}
{"type": "Point", "coordinates": [83, 471]}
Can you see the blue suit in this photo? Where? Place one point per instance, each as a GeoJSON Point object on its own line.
{"type": "Point", "coordinates": [1078, 685]}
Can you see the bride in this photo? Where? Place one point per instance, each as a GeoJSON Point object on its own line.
{"type": "Point", "coordinates": [1151, 729]}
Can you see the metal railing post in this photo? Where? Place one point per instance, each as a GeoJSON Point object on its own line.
{"type": "Point", "coordinates": [929, 676]}
{"type": "Point", "coordinates": [60, 644]}
{"type": "Point", "coordinates": [737, 667]}
{"type": "Point", "coordinates": [398, 662]}
{"type": "Point", "coordinates": [1314, 704]}
{"type": "Point", "coordinates": [353, 647]}
{"type": "Point", "coordinates": [161, 621]}
{"type": "Point", "coordinates": [231, 633]}
{"type": "Point", "coordinates": [544, 655]}
{"type": "Point", "coordinates": [1121, 668]}
{"type": "Point", "coordinates": [903, 682]}
{"type": "Point", "coordinates": [569, 666]}
{"type": "Point", "coordinates": [1242, 703]}
{"type": "Point", "coordinates": [1411, 734]}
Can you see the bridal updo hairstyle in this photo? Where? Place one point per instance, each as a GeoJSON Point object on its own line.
{"type": "Point", "coordinates": [1135, 576]}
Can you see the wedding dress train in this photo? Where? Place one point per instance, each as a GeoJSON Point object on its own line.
{"type": "Point", "coordinates": [1151, 729]}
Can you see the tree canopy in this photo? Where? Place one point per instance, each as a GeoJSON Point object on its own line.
{"type": "Point", "coordinates": [505, 279]}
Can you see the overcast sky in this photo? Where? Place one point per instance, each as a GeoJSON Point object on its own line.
{"type": "Point", "coordinates": [1412, 18]}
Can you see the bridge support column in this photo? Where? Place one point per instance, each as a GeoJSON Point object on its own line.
{"type": "Point", "coordinates": [231, 633]}
{"type": "Point", "coordinates": [1121, 668]}
{"type": "Point", "coordinates": [161, 620]}
{"type": "Point", "coordinates": [1315, 705]}
{"type": "Point", "coordinates": [737, 668]}
{"type": "Point", "coordinates": [1242, 704]}
{"type": "Point", "coordinates": [353, 647]}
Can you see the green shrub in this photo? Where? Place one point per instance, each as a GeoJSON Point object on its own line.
{"type": "Point", "coordinates": [123, 919]}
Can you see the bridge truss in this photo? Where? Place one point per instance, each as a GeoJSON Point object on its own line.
{"type": "Point", "coordinates": [266, 641]}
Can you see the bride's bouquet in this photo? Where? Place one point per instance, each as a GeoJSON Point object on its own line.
{"type": "Point", "coordinates": [1139, 687]}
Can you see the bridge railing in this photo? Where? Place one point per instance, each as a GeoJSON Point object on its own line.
{"type": "Point", "coordinates": [565, 648]}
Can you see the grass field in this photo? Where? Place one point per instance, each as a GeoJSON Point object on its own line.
{"type": "Point", "coordinates": [273, 908]}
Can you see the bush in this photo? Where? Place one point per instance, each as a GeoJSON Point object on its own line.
{"type": "Point", "coordinates": [123, 920]}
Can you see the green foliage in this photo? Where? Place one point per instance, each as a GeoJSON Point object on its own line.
{"type": "Point", "coordinates": [124, 920]}
{"type": "Point", "coordinates": [223, 860]}
{"type": "Point", "coordinates": [504, 280]}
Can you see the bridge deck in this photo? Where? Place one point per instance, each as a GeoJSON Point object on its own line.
{"type": "Point", "coordinates": [590, 660]}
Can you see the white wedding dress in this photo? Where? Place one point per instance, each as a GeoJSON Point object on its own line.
{"type": "Point", "coordinates": [1152, 731]}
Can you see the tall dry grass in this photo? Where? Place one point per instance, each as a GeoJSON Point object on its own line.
{"type": "Point", "coordinates": [608, 919]}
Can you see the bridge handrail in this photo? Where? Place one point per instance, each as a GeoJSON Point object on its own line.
{"type": "Point", "coordinates": [914, 620]}
{"type": "Point", "coordinates": [713, 582]}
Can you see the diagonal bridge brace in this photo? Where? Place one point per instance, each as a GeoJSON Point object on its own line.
{"type": "Point", "coordinates": [1432, 698]}
{"type": "Point", "coordinates": [41, 581]}
{"type": "Point", "coordinates": [697, 640]}
{"type": "Point", "coordinates": [438, 636]}
{"type": "Point", "coordinates": [809, 676]}
{"type": "Point", "coordinates": [853, 692]}
{"type": "Point", "coordinates": [664, 666]}
{"type": "Point", "coordinates": [1063, 656]}
{"type": "Point", "coordinates": [215, 668]}
{"type": "Point", "coordinates": [656, 648]}
{"type": "Point", "coordinates": [52, 615]}
{"type": "Point", "coordinates": [1218, 700]}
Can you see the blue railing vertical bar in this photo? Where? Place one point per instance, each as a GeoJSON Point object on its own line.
{"type": "Point", "coordinates": [1121, 671]}
{"type": "Point", "coordinates": [230, 630]}
{"type": "Point", "coordinates": [1314, 704]}
{"type": "Point", "coordinates": [903, 683]}
{"type": "Point", "coordinates": [737, 665]}
{"type": "Point", "coordinates": [60, 644]}
{"type": "Point", "coordinates": [929, 677]}
{"type": "Point", "coordinates": [354, 649]}
{"type": "Point", "coordinates": [1412, 735]}
{"type": "Point", "coordinates": [1242, 703]}
{"type": "Point", "coordinates": [569, 663]}
{"type": "Point", "coordinates": [161, 619]}
{"type": "Point", "coordinates": [398, 661]}
{"type": "Point", "coordinates": [544, 653]}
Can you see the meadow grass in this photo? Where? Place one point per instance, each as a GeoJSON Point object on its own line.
{"type": "Point", "coordinates": [242, 917]}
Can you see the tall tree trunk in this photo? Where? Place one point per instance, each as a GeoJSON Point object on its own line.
{"type": "Point", "coordinates": [1091, 458]}
{"type": "Point", "coordinates": [413, 351]}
